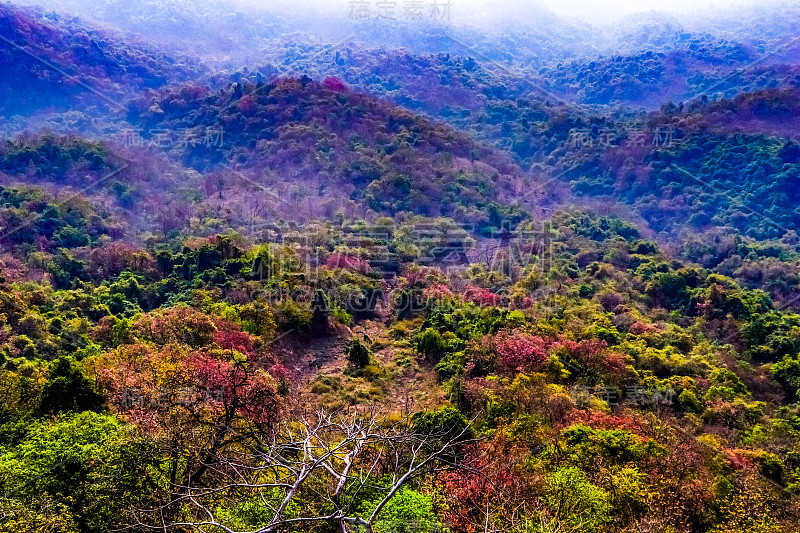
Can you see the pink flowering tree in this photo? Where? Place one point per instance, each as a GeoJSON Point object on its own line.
{"type": "Point", "coordinates": [347, 262]}
{"type": "Point", "coordinates": [519, 352]}
{"type": "Point", "coordinates": [483, 297]}
{"type": "Point", "coordinates": [195, 388]}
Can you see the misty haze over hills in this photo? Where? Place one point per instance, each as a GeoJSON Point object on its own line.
{"type": "Point", "coordinates": [221, 28]}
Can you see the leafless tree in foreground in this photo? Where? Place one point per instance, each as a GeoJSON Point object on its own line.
{"type": "Point", "coordinates": [315, 468]}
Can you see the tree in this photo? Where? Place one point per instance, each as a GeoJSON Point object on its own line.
{"type": "Point", "coordinates": [431, 344]}
{"type": "Point", "coordinates": [669, 288]}
{"type": "Point", "coordinates": [357, 354]}
{"type": "Point", "coordinates": [787, 373]}
{"type": "Point", "coordinates": [75, 472]}
{"type": "Point", "coordinates": [575, 502]}
{"type": "Point", "coordinates": [68, 389]}
{"type": "Point", "coordinates": [314, 468]}
{"type": "Point", "coordinates": [490, 493]}
{"type": "Point", "coordinates": [447, 421]}
{"type": "Point", "coordinates": [518, 352]}
{"type": "Point", "coordinates": [195, 403]}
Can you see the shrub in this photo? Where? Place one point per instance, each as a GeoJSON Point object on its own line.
{"type": "Point", "coordinates": [68, 389]}
{"type": "Point", "coordinates": [575, 501]}
{"type": "Point", "coordinates": [357, 354]}
{"type": "Point", "coordinates": [407, 512]}
{"type": "Point", "coordinates": [519, 352]}
{"type": "Point", "coordinates": [431, 344]}
{"type": "Point", "coordinates": [291, 316]}
{"type": "Point", "coordinates": [447, 423]}
{"type": "Point", "coordinates": [787, 373]}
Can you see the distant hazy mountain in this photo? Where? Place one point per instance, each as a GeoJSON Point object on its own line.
{"type": "Point", "coordinates": [51, 60]}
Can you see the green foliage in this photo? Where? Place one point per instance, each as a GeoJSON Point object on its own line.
{"type": "Point", "coordinates": [688, 401]}
{"type": "Point", "coordinates": [469, 321]}
{"type": "Point", "coordinates": [598, 305]}
{"type": "Point", "coordinates": [408, 511]}
{"type": "Point", "coordinates": [583, 446]}
{"type": "Point", "coordinates": [787, 373]}
{"type": "Point", "coordinates": [33, 213]}
{"type": "Point", "coordinates": [358, 355]}
{"type": "Point", "coordinates": [577, 502]}
{"type": "Point", "coordinates": [772, 335]}
{"type": "Point", "coordinates": [670, 287]}
{"type": "Point", "coordinates": [601, 228]}
{"type": "Point", "coordinates": [446, 424]}
{"type": "Point", "coordinates": [292, 316]}
{"type": "Point", "coordinates": [68, 389]}
{"type": "Point", "coordinates": [84, 465]}
{"type": "Point", "coordinates": [399, 162]}
{"type": "Point", "coordinates": [431, 344]}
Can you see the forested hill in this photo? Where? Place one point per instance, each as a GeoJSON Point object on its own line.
{"type": "Point", "coordinates": [336, 144]}
{"type": "Point", "coordinates": [688, 66]}
{"type": "Point", "coordinates": [50, 60]}
{"type": "Point", "coordinates": [724, 163]}
{"type": "Point", "coordinates": [534, 275]}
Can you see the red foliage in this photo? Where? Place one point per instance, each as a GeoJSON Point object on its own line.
{"type": "Point", "coordinates": [234, 340]}
{"type": "Point", "coordinates": [178, 324]}
{"type": "Point", "coordinates": [169, 389]}
{"type": "Point", "coordinates": [483, 297]}
{"type": "Point", "coordinates": [638, 328]}
{"type": "Point", "coordinates": [337, 260]}
{"type": "Point", "coordinates": [526, 302]}
{"type": "Point", "coordinates": [422, 276]}
{"type": "Point", "coordinates": [490, 483]}
{"type": "Point", "coordinates": [192, 403]}
{"type": "Point", "coordinates": [520, 352]}
{"type": "Point", "coordinates": [281, 373]}
{"type": "Point", "coordinates": [601, 420]}
{"type": "Point", "coordinates": [185, 377]}
{"type": "Point", "coordinates": [110, 260]}
{"type": "Point", "coordinates": [334, 84]}
{"type": "Point", "coordinates": [102, 332]}
{"type": "Point", "coordinates": [615, 363]}
{"type": "Point", "coordinates": [247, 104]}
{"type": "Point", "coordinates": [476, 392]}
{"type": "Point", "coordinates": [437, 291]}
{"type": "Point", "coordinates": [591, 354]}
{"type": "Point", "coordinates": [586, 351]}
{"type": "Point", "coordinates": [250, 393]}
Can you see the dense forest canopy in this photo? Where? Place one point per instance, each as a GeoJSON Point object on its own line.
{"type": "Point", "coordinates": [293, 270]}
